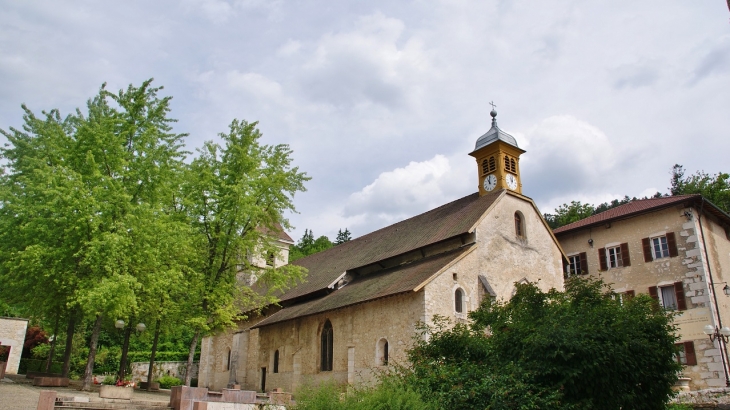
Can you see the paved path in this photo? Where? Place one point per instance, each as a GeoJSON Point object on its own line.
{"type": "Point", "coordinates": [21, 395]}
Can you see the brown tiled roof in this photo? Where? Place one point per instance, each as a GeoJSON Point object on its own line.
{"type": "Point", "coordinates": [278, 232]}
{"type": "Point", "coordinates": [401, 279]}
{"type": "Point", "coordinates": [627, 210]}
{"type": "Point", "coordinates": [444, 222]}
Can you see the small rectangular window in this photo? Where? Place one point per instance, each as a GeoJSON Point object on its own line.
{"type": "Point", "coordinates": [660, 247]}
{"type": "Point", "coordinates": [669, 298]}
{"type": "Point", "coordinates": [614, 257]}
{"type": "Point", "coordinates": [574, 268]}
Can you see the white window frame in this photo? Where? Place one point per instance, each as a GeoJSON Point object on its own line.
{"type": "Point", "coordinates": [574, 267]}
{"type": "Point", "coordinates": [660, 292]}
{"type": "Point", "coordinates": [615, 252]}
{"type": "Point", "coordinates": [663, 247]}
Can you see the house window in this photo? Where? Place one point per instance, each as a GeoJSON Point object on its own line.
{"type": "Point", "coordinates": [326, 347]}
{"type": "Point", "coordinates": [660, 247]}
{"type": "Point", "coordinates": [669, 296]}
{"type": "Point", "coordinates": [459, 300]}
{"type": "Point", "coordinates": [382, 352]}
{"type": "Point", "coordinates": [664, 246]}
{"type": "Point", "coordinates": [614, 257]}
{"type": "Point", "coordinates": [270, 258]}
{"type": "Point", "coordinates": [577, 264]}
{"type": "Point", "coordinates": [686, 353]}
{"type": "Point", "coordinates": [276, 361]}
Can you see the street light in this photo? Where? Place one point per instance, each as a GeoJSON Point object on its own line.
{"type": "Point", "coordinates": [119, 324]}
{"type": "Point", "coordinates": [722, 336]}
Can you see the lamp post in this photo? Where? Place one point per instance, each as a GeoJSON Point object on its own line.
{"type": "Point", "coordinates": [119, 324]}
{"type": "Point", "coordinates": [722, 336]}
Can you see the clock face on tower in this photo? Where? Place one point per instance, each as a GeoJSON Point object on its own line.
{"type": "Point", "coordinates": [511, 181]}
{"type": "Point", "coordinates": [490, 182]}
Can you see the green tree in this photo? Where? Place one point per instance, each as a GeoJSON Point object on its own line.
{"type": "Point", "coordinates": [82, 206]}
{"type": "Point", "coordinates": [343, 237]}
{"type": "Point", "coordinates": [716, 188]}
{"type": "Point", "coordinates": [307, 245]}
{"type": "Point", "coordinates": [566, 214]}
{"type": "Point", "coordinates": [577, 349]}
{"type": "Point", "coordinates": [234, 194]}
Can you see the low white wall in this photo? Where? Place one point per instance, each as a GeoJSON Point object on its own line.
{"type": "Point", "coordinates": [12, 333]}
{"type": "Point", "coordinates": [175, 369]}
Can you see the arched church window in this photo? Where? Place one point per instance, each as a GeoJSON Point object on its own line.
{"type": "Point", "coordinates": [276, 361]}
{"type": "Point", "coordinates": [519, 225]}
{"type": "Point", "coordinates": [459, 301]}
{"type": "Point", "coordinates": [326, 347]}
{"type": "Point", "coordinates": [228, 360]}
{"type": "Point", "coordinates": [485, 166]}
{"type": "Point", "coordinates": [512, 166]}
{"type": "Point", "coordinates": [492, 164]}
{"type": "Point", "coordinates": [382, 352]}
{"type": "Point", "coordinates": [506, 163]}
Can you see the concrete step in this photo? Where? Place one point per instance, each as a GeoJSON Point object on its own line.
{"type": "Point", "coordinates": [113, 405]}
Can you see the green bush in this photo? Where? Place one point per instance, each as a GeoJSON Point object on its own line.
{"type": "Point", "coordinates": [109, 380]}
{"type": "Point", "coordinates": [37, 365]}
{"type": "Point", "coordinates": [168, 381]}
{"type": "Point", "coordinates": [389, 393]}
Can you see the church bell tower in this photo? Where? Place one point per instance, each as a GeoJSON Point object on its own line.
{"type": "Point", "coordinates": [498, 160]}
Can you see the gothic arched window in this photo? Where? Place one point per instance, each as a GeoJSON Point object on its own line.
{"type": "Point", "coordinates": [326, 347]}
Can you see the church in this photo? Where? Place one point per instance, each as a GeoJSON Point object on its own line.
{"type": "Point", "coordinates": [358, 309]}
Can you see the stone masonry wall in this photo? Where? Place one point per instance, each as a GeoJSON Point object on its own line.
{"type": "Point", "coordinates": [502, 257]}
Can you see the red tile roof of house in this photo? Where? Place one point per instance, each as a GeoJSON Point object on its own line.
{"type": "Point", "coordinates": [641, 206]}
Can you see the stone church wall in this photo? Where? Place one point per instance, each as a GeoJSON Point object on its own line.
{"type": "Point", "coordinates": [500, 256]}
{"type": "Point", "coordinates": [357, 331]}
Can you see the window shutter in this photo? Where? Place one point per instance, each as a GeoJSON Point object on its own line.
{"type": "Point", "coordinates": [654, 293]}
{"type": "Point", "coordinates": [672, 242]}
{"type": "Point", "coordinates": [565, 267]}
{"type": "Point", "coordinates": [646, 243]}
{"type": "Point", "coordinates": [625, 254]}
{"type": "Point", "coordinates": [689, 353]}
{"type": "Point", "coordinates": [583, 263]}
{"type": "Point", "coordinates": [602, 259]}
{"type": "Point", "coordinates": [679, 291]}
{"type": "Point", "coordinates": [630, 293]}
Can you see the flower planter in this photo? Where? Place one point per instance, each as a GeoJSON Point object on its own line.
{"type": "Point", "coordinates": [154, 386]}
{"type": "Point", "coordinates": [116, 392]}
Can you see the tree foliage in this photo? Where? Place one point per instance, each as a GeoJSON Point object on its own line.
{"type": "Point", "coordinates": [307, 245]}
{"type": "Point", "coordinates": [576, 349]}
{"type": "Point", "coordinates": [575, 211]}
{"type": "Point", "coordinates": [343, 236]}
{"type": "Point", "coordinates": [716, 188]}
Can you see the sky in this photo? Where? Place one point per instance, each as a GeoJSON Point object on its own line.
{"type": "Point", "coordinates": [382, 101]}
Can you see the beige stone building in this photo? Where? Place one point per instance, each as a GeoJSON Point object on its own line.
{"type": "Point", "coordinates": [677, 250]}
{"type": "Point", "coordinates": [12, 334]}
{"type": "Point", "coordinates": [358, 309]}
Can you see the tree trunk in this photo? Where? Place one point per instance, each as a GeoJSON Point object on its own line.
{"type": "Point", "coordinates": [89, 373]}
{"type": "Point", "coordinates": [191, 356]}
{"type": "Point", "coordinates": [69, 342]}
{"type": "Point", "coordinates": [125, 348]}
{"type": "Point", "coordinates": [53, 344]}
{"type": "Point", "coordinates": [152, 356]}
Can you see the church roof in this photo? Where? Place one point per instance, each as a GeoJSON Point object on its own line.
{"type": "Point", "coordinates": [447, 221]}
{"type": "Point", "coordinates": [642, 206]}
{"type": "Point", "coordinates": [389, 282]}
{"type": "Point", "coordinates": [494, 134]}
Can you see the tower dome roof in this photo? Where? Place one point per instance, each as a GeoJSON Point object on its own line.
{"type": "Point", "coordinates": [494, 134]}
